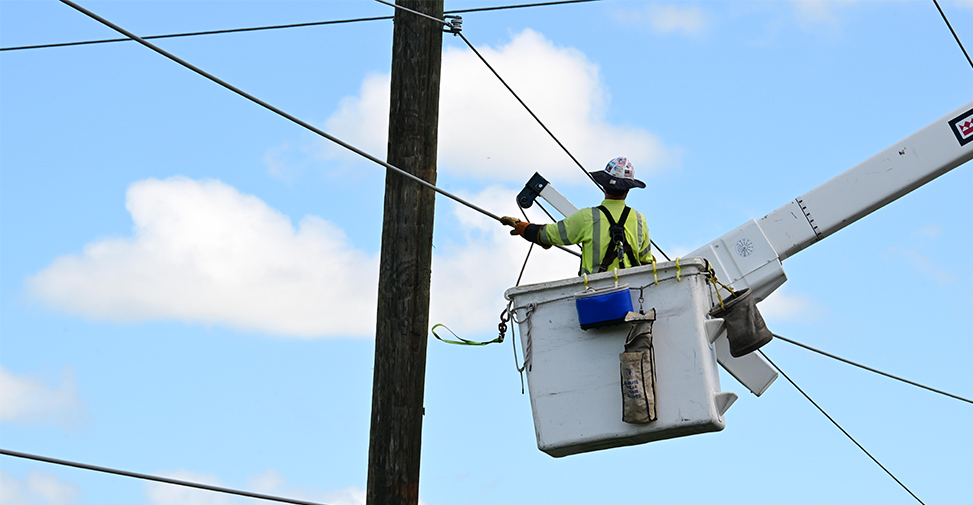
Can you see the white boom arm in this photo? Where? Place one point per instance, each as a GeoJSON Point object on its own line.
{"type": "Point", "coordinates": [751, 255]}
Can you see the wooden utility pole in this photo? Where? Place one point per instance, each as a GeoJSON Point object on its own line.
{"type": "Point", "coordinates": [395, 439]}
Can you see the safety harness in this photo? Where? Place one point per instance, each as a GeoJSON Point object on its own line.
{"type": "Point", "coordinates": [616, 233]}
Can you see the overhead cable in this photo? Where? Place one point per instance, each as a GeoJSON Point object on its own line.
{"type": "Point", "coordinates": [520, 6]}
{"type": "Point", "coordinates": [943, 14]}
{"type": "Point", "coordinates": [274, 109]}
{"type": "Point", "coordinates": [502, 81]}
{"type": "Point", "coordinates": [279, 112]}
{"type": "Point", "coordinates": [279, 27]}
{"type": "Point", "coordinates": [417, 13]}
{"type": "Point", "coordinates": [839, 427]}
{"type": "Point", "coordinates": [155, 478]}
{"type": "Point", "coordinates": [194, 34]}
{"type": "Point", "coordinates": [832, 356]}
{"type": "Point", "coordinates": [514, 93]}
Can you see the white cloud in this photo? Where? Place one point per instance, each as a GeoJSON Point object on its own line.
{"type": "Point", "coordinates": [269, 483]}
{"type": "Point", "coordinates": [484, 132]}
{"type": "Point", "coordinates": [24, 400]}
{"type": "Point", "coordinates": [809, 13]}
{"type": "Point", "coordinates": [51, 489]}
{"type": "Point", "coordinates": [666, 19]}
{"type": "Point", "coordinates": [350, 496]}
{"type": "Point", "coordinates": [471, 272]}
{"type": "Point", "coordinates": [169, 494]}
{"type": "Point", "coordinates": [783, 306]}
{"type": "Point", "coordinates": [924, 264]}
{"type": "Point", "coordinates": [929, 231]}
{"type": "Point", "coordinates": [39, 488]}
{"type": "Point", "coordinates": [12, 490]}
{"type": "Point", "coordinates": [815, 11]}
{"type": "Point", "coordinates": [202, 252]}
{"type": "Point", "coordinates": [273, 483]}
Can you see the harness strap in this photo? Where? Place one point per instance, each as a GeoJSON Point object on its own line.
{"type": "Point", "coordinates": [616, 234]}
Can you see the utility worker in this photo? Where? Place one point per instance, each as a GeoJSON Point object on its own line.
{"type": "Point", "coordinates": [611, 235]}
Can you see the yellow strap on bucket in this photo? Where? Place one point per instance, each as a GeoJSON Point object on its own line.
{"type": "Point", "coordinates": [712, 279]}
{"type": "Point", "coordinates": [655, 273]}
{"type": "Point", "coordinates": [678, 270]}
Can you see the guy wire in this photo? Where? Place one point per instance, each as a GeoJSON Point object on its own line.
{"type": "Point", "coordinates": [839, 427]}
{"type": "Point", "coordinates": [943, 14]}
{"type": "Point", "coordinates": [848, 361]}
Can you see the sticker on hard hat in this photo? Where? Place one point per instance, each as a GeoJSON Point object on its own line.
{"type": "Point", "coordinates": [963, 127]}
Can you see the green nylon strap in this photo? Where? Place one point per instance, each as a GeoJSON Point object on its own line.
{"type": "Point", "coordinates": [461, 341]}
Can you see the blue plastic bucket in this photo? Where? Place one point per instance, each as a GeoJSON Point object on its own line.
{"type": "Point", "coordinates": [603, 307]}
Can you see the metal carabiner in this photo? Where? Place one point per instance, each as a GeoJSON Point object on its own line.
{"type": "Point", "coordinates": [502, 327]}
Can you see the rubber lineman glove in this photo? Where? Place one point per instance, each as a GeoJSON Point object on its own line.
{"type": "Point", "coordinates": [519, 226]}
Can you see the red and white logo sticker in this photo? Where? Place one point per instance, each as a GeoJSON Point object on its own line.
{"type": "Point", "coordinates": [963, 127]}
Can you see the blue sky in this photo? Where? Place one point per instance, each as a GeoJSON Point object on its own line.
{"type": "Point", "coordinates": [187, 281]}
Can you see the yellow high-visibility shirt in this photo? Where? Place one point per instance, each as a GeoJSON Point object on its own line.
{"type": "Point", "coordinates": [589, 227]}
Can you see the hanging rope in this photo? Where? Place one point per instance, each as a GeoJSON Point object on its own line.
{"type": "Point", "coordinates": [528, 345]}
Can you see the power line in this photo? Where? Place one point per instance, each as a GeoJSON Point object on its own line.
{"type": "Point", "coordinates": [279, 27]}
{"type": "Point", "coordinates": [155, 478]}
{"type": "Point", "coordinates": [272, 108]}
{"type": "Point", "coordinates": [872, 369]}
{"type": "Point", "coordinates": [502, 81]}
{"type": "Point", "coordinates": [280, 112]}
{"type": "Point", "coordinates": [943, 14]}
{"type": "Point", "coordinates": [417, 13]}
{"type": "Point", "coordinates": [194, 34]}
{"type": "Point", "coordinates": [520, 6]}
{"type": "Point", "coordinates": [514, 93]}
{"type": "Point", "coordinates": [839, 427]}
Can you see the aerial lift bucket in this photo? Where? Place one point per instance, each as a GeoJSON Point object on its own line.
{"type": "Point", "coordinates": [573, 377]}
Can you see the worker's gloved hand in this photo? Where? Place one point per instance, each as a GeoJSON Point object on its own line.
{"type": "Point", "coordinates": [519, 228]}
